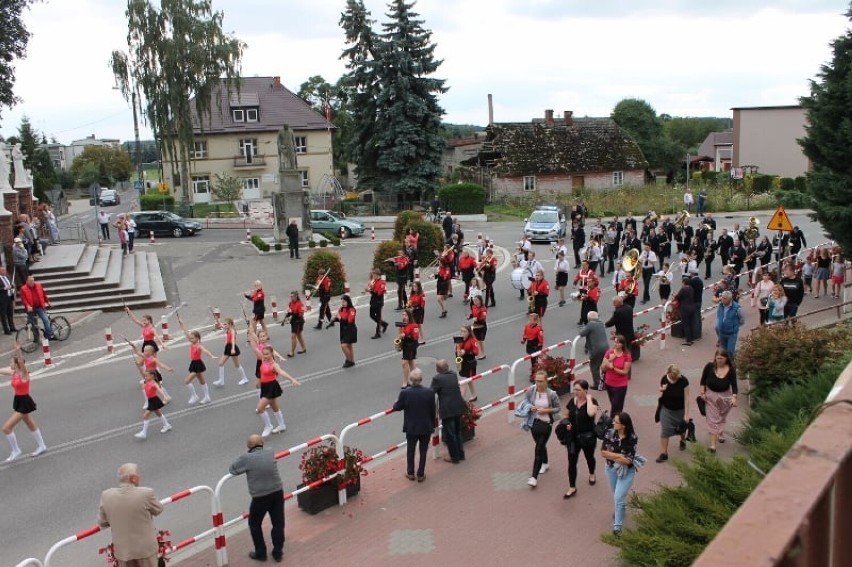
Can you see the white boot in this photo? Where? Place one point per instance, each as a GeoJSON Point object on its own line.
{"type": "Point", "coordinates": [279, 417]}
{"type": "Point", "coordinates": [243, 378]}
{"type": "Point", "coordinates": [267, 424]}
{"type": "Point", "coordinates": [40, 446]}
{"type": "Point", "coordinates": [205, 391]}
{"type": "Point", "coordinates": [166, 425]}
{"type": "Point", "coordinates": [13, 444]}
{"type": "Point", "coordinates": [193, 398]}
{"type": "Point", "coordinates": [144, 433]}
{"type": "Point", "coordinates": [221, 380]}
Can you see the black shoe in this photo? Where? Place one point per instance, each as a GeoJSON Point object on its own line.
{"type": "Point", "coordinates": [318, 326]}
{"type": "Point", "coordinates": [443, 315]}
{"type": "Point", "coordinates": [349, 364]}
{"type": "Point", "coordinates": [662, 458]}
{"type": "Point", "coordinates": [682, 445]}
{"type": "Point", "coordinates": [384, 326]}
{"type": "Point", "coordinates": [7, 332]}
{"type": "Point", "coordinates": [14, 330]}
{"type": "Point", "coordinates": [256, 556]}
{"type": "Point", "coordinates": [330, 325]}
{"type": "Point", "coordinates": [399, 309]}
{"type": "Point", "coordinates": [376, 336]}
{"type": "Point", "coordinates": [277, 556]}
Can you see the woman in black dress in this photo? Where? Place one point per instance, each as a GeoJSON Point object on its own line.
{"type": "Point", "coordinates": [348, 330]}
{"type": "Point", "coordinates": [22, 405]}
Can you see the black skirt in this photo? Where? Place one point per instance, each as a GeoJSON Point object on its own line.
{"type": "Point", "coordinates": [409, 349]}
{"type": "Point", "coordinates": [532, 346]}
{"type": "Point", "coordinates": [417, 314]}
{"type": "Point", "coordinates": [270, 390]}
{"type": "Point", "coordinates": [197, 366]}
{"type": "Point", "coordinates": [23, 404]}
{"type": "Point", "coordinates": [468, 367]}
{"type": "Point", "coordinates": [257, 368]}
{"type": "Point", "coordinates": [297, 324]}
{"type": "Point", "coordinates": [155, 403]}
{"type": "Point", "coordinates": [561, 279]}
{"type": "Point", "coordinates": [480, 331]}
{"type": "Point", "coordinates": [348, 334]}
{"type": "Point", "coordinates": [443, 287]}
{"type": "Point", "coordinates": [231, 350]}
{"type": "Point", "coordinates": [152, 344]}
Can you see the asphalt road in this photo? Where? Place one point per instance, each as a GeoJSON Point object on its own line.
{"type": "Point", "coordinates": [90, 404]}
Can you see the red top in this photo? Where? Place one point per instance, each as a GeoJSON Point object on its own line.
{"type": "Point", "coordinates": [583, 278]}
{"type": "Point", "coordinates": [540, 287]}
{"type": "Point", "coordinates": [347, 314]}
{"type": "Point", "coordinates": [296, 308]}
{"type": "Point", "coordinates": [150, 388]}
{"type": "Point", "coordinates": [401, 263]}
{"type": "Point", "coordinates": [469, 346]}
{"type": "Point", "coordinates": [194, 351]}
{"type": "Point", "coordinates": [410, 331]}
{"type": "Point", "coordinates": [148, 333]}
{"type": "Point", "coordinates": [534, 333]}
{"type": "Point", "coordinates": [19, 385]}
{"type": "Point", "coordinates": [231, 336]}
{"type": "Point", "coordinates": [467, 263]}
{"type": "Point", "coordinates": [622, 286]}
{"type": "Point", "coordinates": [417, 300]}
{"type": "Point", "coordinates": [150, 362]}
{"type": "Point", "coordinates": [378, 287]}
{"type": "Point", "coordinates": [594, 294]}
{"type": "Point", "coordinates": [267, 372]}
{"type": "Point", "coordinates": [258, 296]}
{"type": "Point", "coordinates": [612, 378]}
{"type": "Point", "coordinates": [411, 240]}
{"type": "Point", "coordinates": [448, 258]}
{"type": "Point", "coordinates": [325, 285]}
{"type": "Point", "coordinates": [490, 263]}
{"type": "Point", "coordinates": [444, 272]}
{"type": "Point", "coordinates": [479, 313]}
{"type": "Point", "coordinates": [33, 296]}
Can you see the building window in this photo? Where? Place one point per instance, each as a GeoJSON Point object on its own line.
{"type": "Point", "coordinates": [305, 182]}
{"type": "Point", "coordinates": [301, 144]}
{"type": "Point", "coordinates": [248, 149]}
{"type": "Point", "coordinates": [617, 178]}
{"type": "Point", "coordinates": [251, 115]}
{"type": "Point", "coordinates": [529, 183]}
{"type": "Point", "coordinates": [200, 184]}
{"type": "Point", "coordinates": [251, 183]}
{"type": "Point", "coordinates": [239, 115]}
{"type": "Point", "coordinates": [199, 150]}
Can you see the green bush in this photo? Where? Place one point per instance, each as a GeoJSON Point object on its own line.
{"type": "Point", "coordinates": [259, 243]}
{"type": "Point", "coordinates": [463, 198]}
{"type": "Point", "coordinates": [385, 250]}
{"type": "Point", "coordinates": [788, 354]}
{"type": "Point", "coordinates": [761, 183]}
{"type": "Point", "coordinates": [320, 261]}
{"type": "Point", "coordinates": [794, 199]}
{"type": "Point", "coordinates": [312, 244]}
{"type": "Point", "coordinates": [155, 201]}
{"type": "Point", "coordinates": [787, 184]}
{"type": "Point", "coordinates": [323, 243]}
{"type": "Point", "coordinates": [331, 237]}
{"type": "Point", "coordinates": [402, 221]}
{"type": "Point", "coordinates": [801, 184]}
{"type": "Point", "coordinates": [278, 247]}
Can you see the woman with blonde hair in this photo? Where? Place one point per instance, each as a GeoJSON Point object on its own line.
{"type": "Point", "coordinates": [22, 405]}
{"type": "Point", "coordinates": [544, 406]}
{"type": "Point", "coordinates": [232, 351]}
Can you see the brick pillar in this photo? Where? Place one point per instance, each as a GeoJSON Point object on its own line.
{"type": "Point", "coordinates": [25, 201]}
{"type": "Point", "coordinates": [6, 237]}
{"type": "Point", "coordinates": [10, 202]}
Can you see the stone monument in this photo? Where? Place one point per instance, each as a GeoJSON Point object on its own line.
{"type": "Point", "coordinates": [290, 202]}
{"type": "Point", "coordinates": [8, 205]}
{"type": "Point", "coordinates": [23, 182]}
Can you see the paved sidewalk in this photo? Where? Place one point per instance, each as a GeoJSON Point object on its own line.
{"type": "Point", "coordinates": [482, 511]}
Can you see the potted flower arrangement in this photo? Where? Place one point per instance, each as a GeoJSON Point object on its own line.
{"type": "Point", "coordinates": [673, 319]}
{"type": "Point", "coordinates": [321, 461]}
{"type": "Point", "coordinates": [165, 546]}
{"type": "Point", "coordinates": [469, 418]}
{"type": "Point", "coordinates": [558, 372]}
{"type": "Point", "coordinates": [642, 335]}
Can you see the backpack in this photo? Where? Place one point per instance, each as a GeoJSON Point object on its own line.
{"type": "Point", "coordinates": [603, 425]}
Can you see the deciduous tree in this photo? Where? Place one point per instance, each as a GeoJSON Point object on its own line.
{"type": "Point", "coordinates": [227, 188]}
{"type": "Point", "coordinates": [177, 51]}
{"type": "Point", "coordinates": [828, 143]}
{"type": "Point", "coordinates": [111, 164]}
{"type": "Point", "coordinates": [14, 38]}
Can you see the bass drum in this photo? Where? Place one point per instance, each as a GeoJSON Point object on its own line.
{"type": "Point", "coordinates": [518, 278]}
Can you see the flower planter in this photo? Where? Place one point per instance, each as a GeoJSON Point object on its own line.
{"type": "Point", "coordinates": [677, 331]}
{"type": "Point", "coordinates": [324, 497]}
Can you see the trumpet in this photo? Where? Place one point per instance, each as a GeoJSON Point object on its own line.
{"type": "Point", "coordinates": [319, 283]}
{"type": "Point", "coordinates": [369, 288]}
{"type": "Point", "coordinates": [395, 258]}
{"type": "Point", "coordinates": [397, 344]}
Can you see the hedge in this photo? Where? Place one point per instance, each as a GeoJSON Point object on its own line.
{"type": "Point", "coordinates": [402, 221]}
{"type": "Point", "coordinates": [259, 243]}
{"type": "Point", "coordinates": [155, 201]}
{"type": "Point", "coordinates": [463, 198]}
{"type": "Point", "coordinates": [320, 261]}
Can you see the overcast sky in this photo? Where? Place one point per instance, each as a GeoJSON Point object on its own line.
{"type": "Point", "coordinates": [684, 58]}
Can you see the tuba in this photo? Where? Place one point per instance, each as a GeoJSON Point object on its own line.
{"type": "Point", "coordinates": [629, 262]}
{"type": "Point", "coordinates": [681, 219]}
{"type": "Point", "coordinates": [752, 232]}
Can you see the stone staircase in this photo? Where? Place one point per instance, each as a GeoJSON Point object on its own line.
{"type": "Point", "coordinates": [81, 277]}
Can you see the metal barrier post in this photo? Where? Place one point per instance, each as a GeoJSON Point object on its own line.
{"type": "Point", "coordinates": [29, 561]}
{"type": "Point", "coordinates": [663, 324]}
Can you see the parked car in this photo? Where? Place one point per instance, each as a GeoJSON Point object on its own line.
{"type": "Point", "coordinates": [331, 221]}
{"type": "Point", "coordinates": [164, 223]}
{"type": "Point", "coordinates": [108, 197]}
{"type": "Point", "coordinates": [546, 223]}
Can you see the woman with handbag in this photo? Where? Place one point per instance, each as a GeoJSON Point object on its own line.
{"type": "Point", "coordinates": [619, 450]}
{"type": "Point", "coordinates": [719, 391]}
{"type": "Point", "coordinates": [672, 410]}
{"type": "Point", "coordinates": [762, 291]}
{"type": "Point", "coordinates": [544, 404]}
{"type": "Point", "coordinates": [582, 409]}
{"type": "Point", "coordinates": [616, 368]}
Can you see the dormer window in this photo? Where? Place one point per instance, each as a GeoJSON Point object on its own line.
{"type": "Point", "coordinates": [239, 115]}
{"type": "Point", "coordinates": [251, 115]}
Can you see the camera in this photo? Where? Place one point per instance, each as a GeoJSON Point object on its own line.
{"type": "Point", "coordinates": [399, 324]}
{"type": "Point", "coordinates": [458, 340]}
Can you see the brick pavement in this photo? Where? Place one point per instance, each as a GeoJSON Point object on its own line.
{"type": "Point", "coordinates": [482, 511]}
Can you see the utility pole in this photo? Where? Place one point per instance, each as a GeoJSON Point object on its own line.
{"type": "Point", "coordinates": [138, 148]}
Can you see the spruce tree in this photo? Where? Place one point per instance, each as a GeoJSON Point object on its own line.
{"type": "Point", "coordinates": [828, 143]}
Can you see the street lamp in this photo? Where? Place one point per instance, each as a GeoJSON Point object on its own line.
{"type": "Point", "coordinates": [137, 150]}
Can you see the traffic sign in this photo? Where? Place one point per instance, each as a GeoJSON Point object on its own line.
{"type": "Point", "coordinates": [163, 187]}
{"type": "Point", "coordinates": [138, 186]}
{"type": "Point", "coordinates": [780, 221]}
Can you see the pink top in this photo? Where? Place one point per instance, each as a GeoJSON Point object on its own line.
{"type": "Point", "coordinates": [541, 400]}
{"type": "Point", "coordinates": [267, 372]}
{"type": "Point", "coordinates": [148, 333]}
{"type": "Point", "coordinates": [150, 388]}
{"type": "Point", "coordinates": [195, 351]}
{"type": "Point", "coordinates": [612, 378]}
{"type": "Point", "coordinates": [19, 385]}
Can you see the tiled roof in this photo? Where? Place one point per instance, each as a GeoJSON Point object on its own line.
{"type": "Point", "coordinates": [714, 140]}
{"type": "Point", "coordinates": [588, 145]}
{"type": "Point", "coordinates": [277, 104]}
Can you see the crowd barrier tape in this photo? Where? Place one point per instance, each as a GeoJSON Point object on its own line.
{"type": "Point", "coordinates": [79, 536]}
{"type": "Point", "coordinates": [510, 389]}
{"type": "Point", "coordinates": [219, 524]}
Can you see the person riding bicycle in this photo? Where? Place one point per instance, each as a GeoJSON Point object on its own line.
{"type": "Point", "coordinates": [35, 302]}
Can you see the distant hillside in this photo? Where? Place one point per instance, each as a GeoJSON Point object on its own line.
{"type": "Point", "coordinates": [460, 130]}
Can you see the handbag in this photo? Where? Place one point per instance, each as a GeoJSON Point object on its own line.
{"type": "Point", "coordinates": [659, 408]}
{"type": "Point", "coordinates": [702, 405]}
{"type": "Point", "coordinates": [603, 425]}
{"type": "Point", "coordinates": [562, 432]}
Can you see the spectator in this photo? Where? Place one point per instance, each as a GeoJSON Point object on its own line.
{"type": "Point", "coordinates": [451, 407]}
{"type": "Point", "coordinates": [582, 409]}
{"type": "Point", "coordinates": [20, 259]}
{"type": "Point", "coordinates": [685, 300]}
{"type": "Point", "coordinates": [729, 319]}
{"type": "Point", "coordinates": [823, 271]}
{"type": "Point", "coordinates": [622, 320]}
{"type": "Point", "coordinates": [103, 221]}
{"type": "Point", "coordinates": [719, 391]}
{"type": "Point", "coordinates": [597, 344]}
{"type": "Point", "coordinates": [447, 225]}
{"type": "Point", "coordinates": [794, 289]}
{"type": "Point", "coordinates": [688, 200]}
{"type": "Point", "coordinates": [616, 367]}
{"type": "Point", "coordinates": [35, 302]}
{"type": "Point", "coordinates": [544, 407]}
{"type": "Point", "coordinates": [702, 201]}
{"type": "Point", "coordinates": [776, 303]}
{"type": "Point", "coordinates": [267, 496]}
{"type": "Point", "coordinates": [292, 233]}
{"type": "Point", "coordinates": [673, 410]}
{"type": "Point", "coordinates": [128, 511]}
{"type": "Point", "coordinates": [418, 406]}
{"type": "Point", "coordinates": [7, 302]}
{"type": "Point", "coordinates": [619, 450]}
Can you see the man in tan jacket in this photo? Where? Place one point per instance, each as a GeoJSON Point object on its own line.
{"type": "Point", "coordinates": [128, 510]}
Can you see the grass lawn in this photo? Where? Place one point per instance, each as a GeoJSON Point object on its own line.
{"type": "Point", "coordinates": [203, 210]}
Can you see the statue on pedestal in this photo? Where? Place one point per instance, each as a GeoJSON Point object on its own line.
{"type": "Point", "coordinates": [5, 186]}
{"type": "Point", "coordinates": [286, 150]}
{"type": "Point", "coordinates": [22, 178]}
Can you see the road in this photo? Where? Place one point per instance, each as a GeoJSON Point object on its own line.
{"type": "Point", "coordinates": [90, 404]}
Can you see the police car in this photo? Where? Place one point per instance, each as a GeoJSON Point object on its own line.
{"type": "Point", "coordinates": [545, 224]}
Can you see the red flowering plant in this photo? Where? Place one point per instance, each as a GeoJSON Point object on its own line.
{"type": "Point", "coordinates": [321, 461]}
{"type": "Point", "coordinates": [673, 313]}
{"type": "Point", "coordinates": [557, 369]}
{"type": "Point", "coordinates": [643, 335]}
{"type": "Point", "coordinates": [163, 541]}
{"type": "Point", "coordinates": [470, 416]}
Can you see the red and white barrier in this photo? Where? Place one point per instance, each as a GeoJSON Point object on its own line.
{"type": "Point", "coordinates": [248, 234]}
{"type": "Point", "coordinates": [346, 287]}
{"type": "Point", "coordinates": [45, 349]}
{"type": "Point", "coordinates": [109, 342]}
{"type": "Point", "coordinates": [372, 234]}
{"type": "Point", "coordinates": [151, 236]}
{"type": "Point", "coordinates": [164, 326]}
{"type": "Point", "coordinates": [274, 301]}
{"type": "Point", "coordinates": [510, 389]}
{"type": "Point", "coordinates": [308, 305]}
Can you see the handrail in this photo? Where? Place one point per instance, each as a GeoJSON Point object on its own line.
{"type": "Point", "coordinates": [836, 306]}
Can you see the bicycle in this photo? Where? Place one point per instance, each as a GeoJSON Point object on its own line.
{"type": "Point", "coordinates": [28, 336]}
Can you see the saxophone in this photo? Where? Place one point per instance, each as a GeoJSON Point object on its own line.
{"type": "Point", "coordinates": [397, 344]}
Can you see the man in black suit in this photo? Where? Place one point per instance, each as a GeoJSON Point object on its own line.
{"type": "Point", "coordinates": [447, 225]}
{"type": "Point", "coordinates": [7, 302]}
{"type": "Point", "coordinates": [697, 285]}
{"type": "Point", "coordinates": [418, 406]}
{"type": "Point", "coordinates": [622, 320]}
{"type": "Point", "coordinates": [725, 243]}
{"type": "Point", "coordinates": [451, 406]}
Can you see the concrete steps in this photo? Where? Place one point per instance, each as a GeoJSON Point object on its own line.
{"type": "Point", "coordinates": [79, 277]}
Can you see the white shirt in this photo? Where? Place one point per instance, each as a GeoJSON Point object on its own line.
{"type": "Point", "coordinates": [666, 278]}
{"type": "Point", "coordinates": [526, 245]}
{"type": "Point", "coordinates": [563, 265]}
{"type": "Point", "coordinates": [131, 225]}
{"type": "Point", "coordinates": [618, 277]}
{"type": "Point", "coordinates": [647, 258]}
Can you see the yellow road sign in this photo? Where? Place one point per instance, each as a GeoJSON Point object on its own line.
{"type": "Point", "coordinates": [780, 220]}
{"type": "Point", "coordinates": [163, 188]}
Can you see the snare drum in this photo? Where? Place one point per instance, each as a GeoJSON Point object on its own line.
{"type": "Point", "coordinates": [518, 278]}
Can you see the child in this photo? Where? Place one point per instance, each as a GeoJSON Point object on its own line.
{"type": "Point", "coordinates": [838, 268]}
{"type": "Point", "coordinates": [196, 365]}
{"type": "Point", "coordinates": [808, 273]}
{"type": "Point", "coordinates": [533, 338]}
{"type": "Point", "coordinates": [153, 393]}
{"type": "Point", "coordinates": [147, 360]}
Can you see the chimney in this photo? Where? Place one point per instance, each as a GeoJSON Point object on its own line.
{"type": "Point", "coordinates": [490, 110]}
{"type": "Point", "coordinates": [548, 118]}
{"type": "Point", "coordinates": [276, 82]}
{"type": "Point", "coordinates": [569, 117]}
